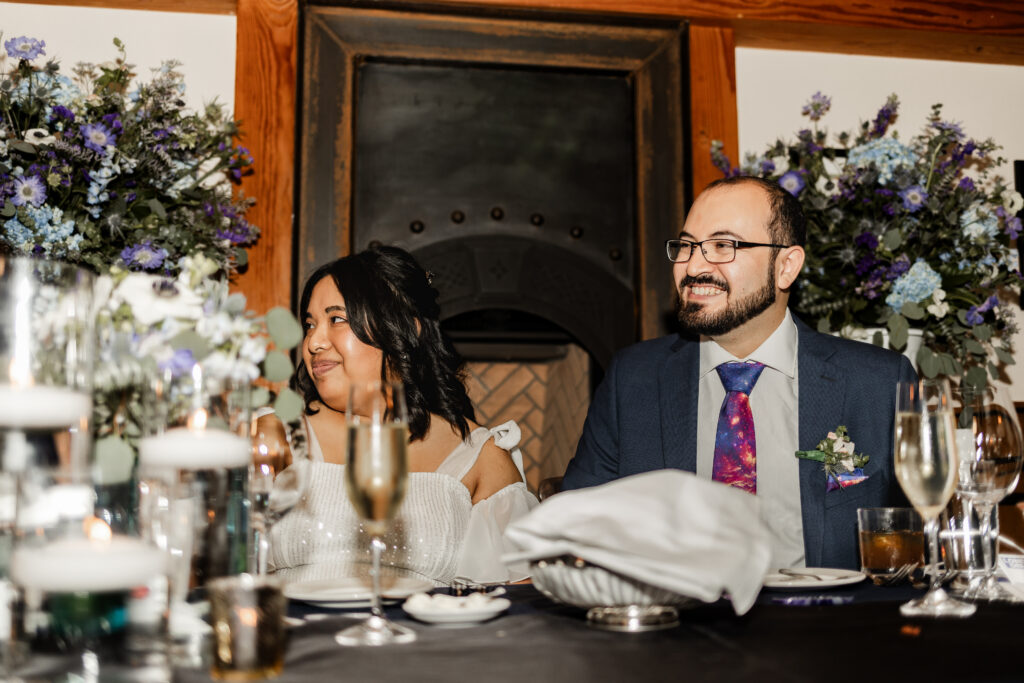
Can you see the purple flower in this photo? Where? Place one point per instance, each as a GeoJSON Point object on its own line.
{"type": "Point", "coordinates": [24, 47]}
{"type": "Point", "coordinates": [885, 116]}
{"type": "Point", "coordinates": [973, 316]}
{"type": "Point", "coordinates": [913, 198]}
{"type": "Point", "coordinates": [866, 240]}
{"type": "Point", "coordinates": [898, 267]}
{"type": "Point", "coordinates": [953, 129]}
{"type": "Point", "coordinates": [865, 265]}
{"type": "Point", "coordinates": [767, 166]}
{"type": "Point", "coordinates": [966, 184]}
{"type": "Point", "coordinates": [143, 256]}
{"type": "Point", "coordinates": [1013, 227]}
{"type": "Point", "coordinates": [97, 137]}
{"type": "Point", "coordinates": [180, 363]}
{"type": "Point", "coordinates": [817, 107]}
{"type": "Point", "coordinates": [792, 182]}
{"type": "Point", "coordinates": [61, 113]}
{"type": "Point", "coordinates": [29, 190]}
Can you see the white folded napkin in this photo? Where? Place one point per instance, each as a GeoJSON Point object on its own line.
{"type": "Point", "coordinates": [666, 528]}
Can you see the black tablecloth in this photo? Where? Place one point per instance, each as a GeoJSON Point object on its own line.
{"type": "Point", "coordinates": [538, 640]}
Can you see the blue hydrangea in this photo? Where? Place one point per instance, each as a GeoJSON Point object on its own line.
{"type": "Point", "coordinates": [44, 226]}
{"type": "Point", "coordinates": [914, 286]}
{"type": "Point", "coordinates": [886, 154]}
{"type": "Point", "coordinates": [979, 225]}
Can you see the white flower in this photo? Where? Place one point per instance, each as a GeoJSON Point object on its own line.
{"type": "Point", "coordinates": [1013, 201]}
{"type": "Point", "coordinates": [843, 446]}
{"type": "Point", "coordinates": [847, 464]}
{"type": "Point", "coordinates": [939, 308]}
{"type": "Point", "coordinates": [781, 163]}
{"type": "Point", "coordinates": [154, 299]}
{"type": "Point", "coordinates": [39, 136]}
{"type": "Point", "coordinates": [214, 179]}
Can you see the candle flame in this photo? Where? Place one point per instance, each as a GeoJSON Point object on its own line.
{"type": "Point", "coordinates": [197, 420]}
{"type": "Point", "coordinates": [96, 529]}
{"type": "Point", "coordinates": [20, 373]}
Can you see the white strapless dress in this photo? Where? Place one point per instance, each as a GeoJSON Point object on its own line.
{"type": "Point", "coordinates": [438, 534]}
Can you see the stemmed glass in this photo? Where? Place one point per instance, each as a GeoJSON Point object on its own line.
{"type": "Point", "coordinates": [925, 461]}
{"type": "Point", "coordinates": [375, 478]}
{"type": "Point", "coordinates": [279, 479]}
{"type": "Point", "coordinates": [989, 442]}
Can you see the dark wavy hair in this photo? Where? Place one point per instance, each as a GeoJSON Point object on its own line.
{"type": "Point", "coordinates": [391, 306]}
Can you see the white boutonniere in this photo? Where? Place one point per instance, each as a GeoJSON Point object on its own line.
{"type": "Point", "coordinates": [842, 464]}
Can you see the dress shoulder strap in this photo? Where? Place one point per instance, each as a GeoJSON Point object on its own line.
{"type": "Point", "coordinates": [461, 460]}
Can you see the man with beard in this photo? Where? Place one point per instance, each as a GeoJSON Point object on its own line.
{"type": "Point", "coordinates": [664, 402]}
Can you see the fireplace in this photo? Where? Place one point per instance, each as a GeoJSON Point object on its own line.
{"type": "Point", "coordinates": [532, 163]}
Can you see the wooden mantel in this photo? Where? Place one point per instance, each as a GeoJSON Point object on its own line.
{"type": "Point", "coordinates": [988, 31]}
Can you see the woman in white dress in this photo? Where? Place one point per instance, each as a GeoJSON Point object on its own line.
{"type": "Point", "coordinates": [374, 315]}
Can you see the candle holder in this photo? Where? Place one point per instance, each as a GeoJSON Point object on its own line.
{"type": "Point", "coordinates": [47, 351]}
{"type": "Point", "coordinates": [194, 461]}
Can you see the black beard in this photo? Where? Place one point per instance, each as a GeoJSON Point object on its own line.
{"type": "Point", "coordinates": [692, 319]}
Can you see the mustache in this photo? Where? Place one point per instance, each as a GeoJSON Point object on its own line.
{"type": "Point", "coordinates": [703, 279]}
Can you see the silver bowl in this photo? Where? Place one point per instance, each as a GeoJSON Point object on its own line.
{"type": "Point", "coordinates": [573, 581]}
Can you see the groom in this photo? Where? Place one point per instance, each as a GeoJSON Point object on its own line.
{"type": "Point", "coordinates": [752, 386]}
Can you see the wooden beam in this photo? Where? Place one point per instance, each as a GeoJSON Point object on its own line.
{"type": "Point", "coordinates": [265, 92]}
{"type": "Point", "coordinates": [196, 6]}
{"type": "Point", "coordinates": [713, 114]}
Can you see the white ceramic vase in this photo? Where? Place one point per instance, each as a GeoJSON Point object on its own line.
{"type": "Point", "coordinates": [880, 337]}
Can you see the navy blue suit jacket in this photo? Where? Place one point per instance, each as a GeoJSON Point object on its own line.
{"type": "Point", "coordinates": [644, 417]}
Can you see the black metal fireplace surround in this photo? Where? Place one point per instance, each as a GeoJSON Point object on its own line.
{"type": "Point", "coordinates": [533, 163]}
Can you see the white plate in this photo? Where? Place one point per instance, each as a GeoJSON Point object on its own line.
{"type": "Point", "coordinates": [352, 592]}
{"type": "Point", "coordinates": [830, 578]}
{"type": "Point", "coordinates": [465, 615]}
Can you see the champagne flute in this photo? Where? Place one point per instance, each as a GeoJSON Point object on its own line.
{"type": "Point", "coordinates": [925, 460]}
{"type": "Point", "coordinates": [375, 478]}
{"type": "Point", "coordinates": [989, 442]}
{"type": "Point", "coordinates": [279, 479]}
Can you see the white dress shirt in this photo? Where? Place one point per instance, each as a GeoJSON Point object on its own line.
{"type": "Point", "coordinates": [774, 405]}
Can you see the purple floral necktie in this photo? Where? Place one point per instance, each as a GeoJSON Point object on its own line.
{"type": "Point", "coordinates": [735, 452]}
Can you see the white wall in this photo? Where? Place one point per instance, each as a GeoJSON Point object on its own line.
{"type": "Point", "coordinates": [204, 43]}
{"type": "Point", "coordinates": [772, 86]}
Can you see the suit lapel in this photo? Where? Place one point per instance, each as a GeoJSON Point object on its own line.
{"type": "Point", "coordinates": [677, 384]}
{"type": "Point", "coordinates": [821, 408]}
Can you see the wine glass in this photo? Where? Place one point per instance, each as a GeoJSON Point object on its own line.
{"type": "Point", "coordinates": [925, 460]}
{"type": "Point", "coordinates": [279, 479]}
{"type": "Point", "coordinates": [989, 445]}
{"type": "Point", "coordinates": [375, 478]}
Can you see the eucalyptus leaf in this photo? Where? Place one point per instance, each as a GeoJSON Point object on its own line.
{"type": "Point", "coordinates": [898, 329]}
{"type": "Point", "coordinates": [928, 362]}
{"type": "Point", "coordinates": [823, 326]}
{"type": "Point", "coordinates": [1005, 356]}
{"type": "Point", "coordinates": [218, 422]}
{"type": "Point", "coordinates": [892, 239]}
{"type": "Point", "coordinates": [189, 339]}
{"type": "Point", "coordinates": [7, 210]}
{"type": "Point", "coordinates": [277, 366]}
{"type": "Point", "coordinates": [23, 147]}
{"type": "Point", "coordinates": [283, 327]}
{"type": "Point", "coordinates": [241, 257]}
{"type": "Point", "coordinates": [993, 370]}
{"type": "Point", "coordinates": [113, 460]}
{"type": "Point", "coordinates": [976, 377]}
{"type": "Point", "coordinates": [974, 347]}
{"type": "Point", "coordinates": [912, 310]}
{"type": "Point", "coordinates": [157, 208]}
{"type": "Point", "coordinates": [259, 397]}
{"type": "Point", "coordinates": [288, 405]}
{"type": "Point", "coordinates": [983, 332]}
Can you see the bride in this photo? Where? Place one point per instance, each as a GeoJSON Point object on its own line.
{"type": "Point", "coordinates": [374, 315]}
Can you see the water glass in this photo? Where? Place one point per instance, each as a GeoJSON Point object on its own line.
{"type": "Point", "coordinates": [891, 543]}
{"type": "Point", "coordinates": [247, 613]}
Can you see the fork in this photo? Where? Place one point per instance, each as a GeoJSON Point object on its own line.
{"type": "Point", "coordinates": [792, 573]}
{"type": "Point", "coordinates": [896, 577]}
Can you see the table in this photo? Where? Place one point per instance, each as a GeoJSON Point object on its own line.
{"type": "Point", "coordinates": [538, 640]}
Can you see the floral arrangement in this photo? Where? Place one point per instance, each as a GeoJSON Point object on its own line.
{"type": "Point", "coordinates": [842, 464]}
{"type": "Point", "coordinates": [903, 234]}
{"type": "Point", "coordinates": [126, 180]}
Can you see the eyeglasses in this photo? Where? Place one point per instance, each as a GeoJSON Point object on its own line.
{"type": "Point", "coordinates": [714, 250]}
